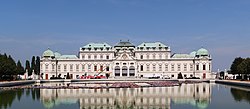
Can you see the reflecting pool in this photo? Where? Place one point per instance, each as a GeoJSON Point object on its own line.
{"type": "Point", "coordinates": [186, 96]}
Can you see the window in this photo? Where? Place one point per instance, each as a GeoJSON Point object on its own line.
{"type": "Point", "coordinates": [197, 67]}
{"type": "Point", "coordinates": [83, 67]}
{"type": "Point", "coordinates": [71, 67]}
{"type": "Point", "coordinates": [46, 66]}
{"type": "Point", "coordinates": [107, 57]}
{"type": "Point", "coordinates": [153, 67]}
{"type": "Point", "coordinates": [147, 67]}
{"type": "Point", "coordinates": [185, 67]}
{"type": "Point", "coordinates": [77, 67]}
{"type": "Point", "coordinates": [166, 67]}
{"type": "Point", "coordinates": [89, 56]}
{"type": "Point", "coordinates": [95, 68]}
{"type": "Point", "coordinates": [160, 56]}
{"type": "Point", "coordinates": [160, 67]}
{"type": "Point", "coordinates": [172, 67]}
{"type": "Point", "coordinates": [59, 67]}
{"type": "Point", "coordinates": [95, 56]}
{"type": "Point", "coordinates": [107, 68]}
{"type": "Point", "coordinates": [141, 56]}
{"type": "Point", "coordinates": [101, 56]}
{"type": "Point", "coordinates": [209, 66]}
{"type": "Point", "coordinates": [191, 67]}
{"type": "Point", "coordinates": [53, 67]}
{"type": "Point", "coordinates": [83, 56]}
{"type": "Point", "coordinates": [153, 56]}
{"type": "Point", "coordinates": [65, 67]}
{"type": "Point", "coordinates": [147, 56]}
{"type": "Point", "coordinates": [204, 67]}
{"type": "Point", "coordinates": [179, 67]}
{"type": "Point", "coordinates": [101, 68]}
{"type": "Point", "coordinates": [141, 67]}
{"type": "Point", "coordinates": [89, 67]}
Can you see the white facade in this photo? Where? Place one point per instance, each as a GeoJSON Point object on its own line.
{"type": "Point", "coordinates": [126, 60]}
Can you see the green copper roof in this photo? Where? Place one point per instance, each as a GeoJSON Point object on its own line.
{"type": "Point", "coordinates": [97, 45]}
{"type": "Point", "coordinates": [193, 54]}
{"type": "Point", "coordinates": [124, 44]}
{"type": "Point", "coordinates": [48, 53]}
{"type": "Point", "coordinates": [57, 55]}
{"type": "Point", "coordinates": [68, 57]}
{"type": "Point", "coordinates": [154, 44]}
{"type": "Point", "coordinates": [202, 52]}
{"type": "Point", "coordinates": [182, 56]}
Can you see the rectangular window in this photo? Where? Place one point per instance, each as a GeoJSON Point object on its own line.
{"type": "Point", "coordinates": [83, 68]}
{"type": "Point", "coordinates": [83, 56]}
{"type": "Point", "coordinates": [101, 56]}
{"type": "Point", "coordinates": [59, 67]}
{"type": "Point", "coordinates": [65, 67]}
{"type": "Point", "coordinates": [179, 67]}
{"type": "Point", "coordinates": [71, 67]}
{"type": "Point", "coordinates": [166, 67]}
{"type": "Point", "coordinates": [209, 66]}
{"type": "Point", "coordinates": [89, 67]}
{"type": "Point", "coordinates": [160, 67]}
{"type": "Point", "coordinates": [141, 67]}
{"type": "Point", "coordinates": [147, 67]}
{"type": "Point", "coordinates": [172, 67]}
{"type": "Point", "coordinates": [46, 67]}
{"type": "Point", "coordinates": [95, 68]}
{"type": "Point", "coordinates": [107, 68]}
{"type": "Point", "coordinates": [185, 67]}
{"type": "Point", "coordinates": [191, 67]}
{"type": "Point", "coordinates": [53, 67]}
{"type": "Point", "coordinates": [147, 56]}
{"type": "Point", "coordinates": [204, 67]}
{"type": "Point", "coordinates": [89, 56]}
{"type": "Point", "coordinates": [154, 67]}
{"type": "Point", "coordinates": [95, 57]}
{"type": "Point", "coordinates": [141, 56]}
{"type": "Point", "coordinates": [77, 67]}
{"type": "Point", "coordinates": [160, 56]}
{"type": "Point", "coordinates": [197, 67]}
{"type": "Point", "coordinates": [101, 68]}
{"type": "Point", "coordinates": [107, 57]}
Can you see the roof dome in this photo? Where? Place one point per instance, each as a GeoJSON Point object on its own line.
{"type": "Point", "coordinates": [202, 52]}
{"type": "Point", "coordinates": [57, 55]}
{"type": "Point", "coordinates": [48, 53]}
{"type": "Point", "coordinates": [193, 54]}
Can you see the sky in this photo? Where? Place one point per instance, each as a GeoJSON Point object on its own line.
{"type": "Point", "coordinates": [29, 27]}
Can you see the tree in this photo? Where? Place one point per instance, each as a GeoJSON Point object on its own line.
{"type": "Point", "coordinates": [20, 69]}
{"type": "Point", "coordinates": [33, 64]}
{"type": "Point", "coordinates": [37, 68]}
{"type": "Point", "coordinates": [244, 67]}
{"type": "Point", "coordinates": [234, 66]}
{"type": "Point", "coordinates": [28, 67]}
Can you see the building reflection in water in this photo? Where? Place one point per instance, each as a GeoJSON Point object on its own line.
{"type": "Point", "coordinates": [146, 98]}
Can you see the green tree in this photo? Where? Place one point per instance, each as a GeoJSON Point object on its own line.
{"type": "Point", "coordinates": [37, 68]}
{"type": "Point", "coordinates": [234, 67]}
{"type": "Point", "coordinates": [33, 63]}
{"type": "Point", "coordinates": [28, 67]}
{"type": "Point", "coordinates": [244, 67]}
{"type": "Point", "coordinates": [20, 69]}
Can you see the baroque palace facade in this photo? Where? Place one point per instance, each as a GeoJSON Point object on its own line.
{"type": "Point", "coordinates": [127, 60]}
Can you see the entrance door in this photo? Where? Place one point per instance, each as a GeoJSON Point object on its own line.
{"type": "Point", "coordinates": [117, 71]}
{"type": "Point", "coordinates": [131, 71]}
{"type": "Point", "coordinates": [46, 76]}
{"type": "Point", "coordinates": [124, 71]}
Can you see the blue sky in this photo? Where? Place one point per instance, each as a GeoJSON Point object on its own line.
{"type": "Point", "coordinates": [28, 27]}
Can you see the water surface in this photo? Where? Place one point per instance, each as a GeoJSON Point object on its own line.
{"type": "Point", "coordinates": [186, 96]}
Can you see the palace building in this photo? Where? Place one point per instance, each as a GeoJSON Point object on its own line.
{"type": "Point", "coordinates": [126, 60]}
